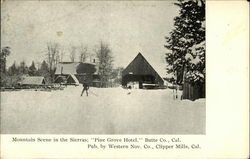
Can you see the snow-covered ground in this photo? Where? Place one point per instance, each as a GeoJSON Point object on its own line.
{"type": "Point", "coordinates": [104, 111]}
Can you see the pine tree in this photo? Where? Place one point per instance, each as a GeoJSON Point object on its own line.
{"type": "Point", "coordinates": [5, 51]}
{"type": "Point", "coordinates": [13, 70]}
{"type": "Point", "coordinates": [32, 69]}
{"type": "Point", "coordinates": [186, 43]}
{"type": "Point", "coordinates": [13, 76]}
{"type": "Point", "coordinates": [23, 69]}
{"type": "Point", "coordinates": [44, 71]}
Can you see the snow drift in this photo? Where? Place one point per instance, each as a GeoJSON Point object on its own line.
{"type": "Point", "coordinates": [104, 111]}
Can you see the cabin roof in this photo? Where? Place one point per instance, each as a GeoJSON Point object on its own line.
{"type": "Point", "coordinates": [33, 80]}
{"type": "Point", "coordinates": [66, 68]}
{"type": "Point", "coordinates": [71, 67]}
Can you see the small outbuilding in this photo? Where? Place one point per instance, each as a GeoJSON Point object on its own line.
{"type": "Point", "coordinates": [193, 91]}
{"type": "Point", "coordinates": [33, 81]}
{"type": "Point", "coordinates": [141, 72]}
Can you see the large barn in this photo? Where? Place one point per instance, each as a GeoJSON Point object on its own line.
{"type": "Point", "coordinates": [141, 72]}
{"type": "Point", "coordinates": [77, 72]}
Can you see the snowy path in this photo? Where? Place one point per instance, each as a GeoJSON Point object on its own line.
{"type": "Point", "coordinates": [104, 111]}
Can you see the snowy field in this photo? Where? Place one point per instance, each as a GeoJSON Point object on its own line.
{"type": "Point", "coordinates": [104, 111]}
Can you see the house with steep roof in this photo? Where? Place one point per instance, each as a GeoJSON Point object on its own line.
{"type": "Point", "coordinates": [141, 72]}
{"type": "Point", "coordinates": [73, 73]}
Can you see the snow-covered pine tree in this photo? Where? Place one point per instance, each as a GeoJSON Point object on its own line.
{"type": "Point", "coordinates": [186, 43]}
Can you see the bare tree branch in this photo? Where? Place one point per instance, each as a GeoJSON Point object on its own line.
{"type": "Point", "coordinates": [73, 53]}
{"type": "Point", "coordinates": [83, 50]}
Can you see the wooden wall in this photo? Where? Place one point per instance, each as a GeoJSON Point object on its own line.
{"type": "Point", "coordinates": [193, 91]}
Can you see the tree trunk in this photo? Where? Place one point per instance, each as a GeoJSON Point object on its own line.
{"type": "Point", "coordinates": [183, 79]}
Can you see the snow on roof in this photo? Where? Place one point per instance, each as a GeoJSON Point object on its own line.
{"type": "Point", "coordinates": [33, 80]}
{"type": "Point", "coordinates": [66, 68]}
{"type": "Point", "coordinates": [75, 79]}
{"type": "Point", "coordinates": [71, 67]}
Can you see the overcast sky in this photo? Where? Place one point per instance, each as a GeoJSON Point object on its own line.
{"type": "Point", "coordinates": [128, 27]}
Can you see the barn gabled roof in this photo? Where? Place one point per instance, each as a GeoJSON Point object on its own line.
{"type": "Point", "coordinates": [140, 66]}
{"type": "Point", "coordinates": [33, 80]}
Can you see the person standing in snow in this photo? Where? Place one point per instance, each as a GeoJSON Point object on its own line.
{"type": "Point", "coordinates": [129, 89]}
{"type": "Point", "coordinates": [85, 88]}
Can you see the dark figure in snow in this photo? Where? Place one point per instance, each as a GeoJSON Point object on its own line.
{"type": "Point", "coordinates": [129, 90]}
{"type": "Point", "coordinates": [85, 88]}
